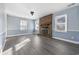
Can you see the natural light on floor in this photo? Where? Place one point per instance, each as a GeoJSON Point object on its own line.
{"type": "Point", "coordinates": [16, 47]}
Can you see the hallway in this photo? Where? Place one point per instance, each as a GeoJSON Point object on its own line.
{"type": "Point", "coordinates": [38, 45]}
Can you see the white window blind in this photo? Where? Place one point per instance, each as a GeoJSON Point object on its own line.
{"type": "Point", "coordinates": [23, 24]}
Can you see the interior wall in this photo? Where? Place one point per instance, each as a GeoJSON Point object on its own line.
{"type": "Point", "coordinates": [30, 25]}
{"type": "Point", "coordinates": [72, 33]}
{"type": "Point", "coordinates": [37, 26]}
{"type": "Point", "coordinates": [13, 23]}
{"type": "Point", "coordinates": [2, 18]}
{"type": "Point", "coordinates": [13, 26]}
{"type": "Point", "coordinates": [2, 26]}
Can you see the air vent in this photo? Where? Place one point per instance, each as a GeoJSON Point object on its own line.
{"type": "Point", "coordinates": [72, 4]}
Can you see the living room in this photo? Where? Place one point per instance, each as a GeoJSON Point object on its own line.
{"type": "Point", "coordinates": [39, 28]}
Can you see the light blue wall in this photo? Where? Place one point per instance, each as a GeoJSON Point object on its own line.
{"type": "Point", "coordinates": [13, 23]}
{"type": "Point", "coordinates": [31, 25]}
{"type": "Point", "coordinates": [72, 25]}
{"type": "Point", "coordinates": [13, 26]}
{"type": "Point", "coordinates": [2, 26]}
{"type": "Point", "coordinates": [2, 18]}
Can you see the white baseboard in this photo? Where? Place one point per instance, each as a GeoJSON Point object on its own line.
{"type": "Point", "coordinates": [19, 34]}
{"type": "Point", "coordinates": [75, 42]}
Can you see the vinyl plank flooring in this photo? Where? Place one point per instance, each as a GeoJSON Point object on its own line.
{"type": "Point", "coordinates": [38, 45]}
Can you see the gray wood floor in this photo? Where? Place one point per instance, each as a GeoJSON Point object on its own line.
{"type": "Point", "coordinates": [38, 45]}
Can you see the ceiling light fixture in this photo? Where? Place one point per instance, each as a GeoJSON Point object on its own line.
{"type": "Point", "coordinates": [32, 13]}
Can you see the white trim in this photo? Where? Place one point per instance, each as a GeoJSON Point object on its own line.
{"type": "Point", "coordinates": [6, 23]}
{"type": "Point", "coordinates": [18, 34]}
{"type": "Point", "coordinates": [74, 30]}
{"type": "Point", "coordinates": [75, 42]}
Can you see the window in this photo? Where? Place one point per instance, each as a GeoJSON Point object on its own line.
{"type": "Point", "coordinates": [37, 25]}
{"type": "Point", "coordinates": [23, 24]}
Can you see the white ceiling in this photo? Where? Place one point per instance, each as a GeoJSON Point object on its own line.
{"type": "Point", "coordinates": [40, 9]}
